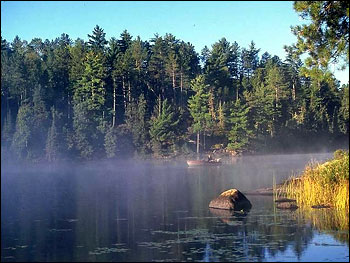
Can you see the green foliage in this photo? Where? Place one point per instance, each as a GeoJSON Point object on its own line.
{"type": "Point", "coordinates": [137, 123]}
{"type": "Point", "coordinates": [97, 40]}
{"type": "Point", "coordinates": [7, 130]}
{"type": "Point", "coordinates": [162, 129]}
{"type": "Point", "coordinates": [91, 87]}
{"type": "Point", "coordinates": [277, 84]}
{"type": "Point", "coordinates": [189, 65]}
{"type": "Point", "coordinates": [40, 125]}
{"type": "Point", "coordinates": [111, 142]}
{"type": "Point", "coordinates": [57, 67]}
{"type": "Point", "coordinates": [240, 134]}
{"type": "Point", "coordinates": [326, 38]}
{"type": "Point", "coordinates": [53, 140]}
{"type": "Point", "coordinates": [124, 42]}
{"type": "Point", "coordinates": [157, 63]}
{"type": "Point", "coordinates": [198, 104]}
{"type": "Point", "coordinates": [218, 68]}
{"type": "Point", "coordinates": [250, 59]}
{"type": "Point", "coordinates": [344, 110]}
{"type": "Point", "coordinates": [326, 41]}
{"type": "Point", "coordinates": [85, 136]}
{"type": "Point", "coordinates": [261, 105]}
{"type": "Point", "coordinates": [237, 97]}
{"type": "Point", "coordinates": [77, 67]}
{"type": "Point", "coordinates": [14, 71]}
{"type": "Point", "coordinates": [198, 107]}
{"type": "Point", "coordinates": [89, 97]}
{"type": "Point", "coordinates": [220, 126]}
{"type": "Point", "coordinates": [23, 134]}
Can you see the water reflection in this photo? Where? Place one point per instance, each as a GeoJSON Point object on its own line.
{"type": "Point", "coordinates": [229, 217]}
{"type": "Point", "coordinates": [157, 213]}
{"type": "Point", "coordinates": [330, 221]}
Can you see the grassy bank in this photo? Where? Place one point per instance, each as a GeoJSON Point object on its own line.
{"type": "Point", "coordinates": [324, 184]}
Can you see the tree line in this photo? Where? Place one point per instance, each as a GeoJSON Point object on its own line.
{"type": "Point", "coordinates": [126, 96]}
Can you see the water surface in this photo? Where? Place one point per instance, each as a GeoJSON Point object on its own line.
{"type": "Point", "coordinates": [142, 211]}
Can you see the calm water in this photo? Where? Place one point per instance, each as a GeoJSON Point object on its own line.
{"type": "Point", "coordinates": [159, 212]}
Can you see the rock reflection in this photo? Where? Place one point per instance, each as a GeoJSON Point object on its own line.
{"type": "Point", "coordinates": [254, 235]}
{"type": "Point", "coordinates": [229, 217]}
{"type": "Point", "coordinates": [147, 213]}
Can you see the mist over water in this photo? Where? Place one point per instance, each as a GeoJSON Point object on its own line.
{"type": "Point", "coordinates": [156, 211]}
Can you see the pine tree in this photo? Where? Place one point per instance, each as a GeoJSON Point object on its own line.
{"type": "Point", "coordinates": [91, 87]}
{"type": "Point", "coordinates": [137, 123]}
{"type": "Point", "coordinates": [34, 68]}
{"type": "Point", "coordinates": [124, 42]}
{"type": "Point", "coordinates": [40, 124]}
{"type": "Point", "coordinates": [240, 134]}
{"type": "Point", "coordinates": [250, 62]}
{"type": "Point", "coordinates": [217, 70]}
{"type": "Point", "coordinates": [112, 53]}
{"type": "Point", "coordinates": [84, 130]}
{"type": "Point", "coordinates": [53, 140]}
{"type": "Point", "coordinates": [326, 37]}
{"type": "Point", "coordinates": [198, 106]}
{"type": "Point", "coordinates": [7, 130]}
{"type": "Point", "coordinates": [188, 63]}
{"type": "Point", "coordinates": [123, 71]}
{"type": "Point", "coordinates": [293, 68]}
{"type": "Point", "coordinates": [277, 85]}
{"type": "Point", "coordinates": [156, 67]}
{"type": "Point", "coordinates": [221, 120]}
{"type": "Point", "coordinates": [111, 142]}
{"type": "Point", "coordinates": [22, 136]}
{"type": "Point", "coordinates": [344, 110]}
{"type": "Point", "coordinates": [16, 77]}
{"type": "Point", "coordinates": [261, 102]}
{"type": "Point", "coordinates": [77, 66]}
{"type": "Point", "coordinates": [139, 55]}
{"type": "Point", "coordinates": [58, 63]}
{"type": "Point", "coordinates": [97, 41]}
{"type": "Point", "coordinates": [89, 106]}
{"type": "Point", "coordinates": [162, 129]}
{"type": "Point", "coordinates": [5, 78]}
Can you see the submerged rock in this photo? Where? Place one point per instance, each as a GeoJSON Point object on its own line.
{"type": "Point", "coordinates": [266, 191]}
{"type": "Point", "coordinates": [231, 200]}
{"type": "Point", "coordinates": [283, 200]}
{"type": "Point", "coordinates": [320, 206]}
{"type": "Point", "coordinates": [285, 203]}
{"type": "Point", "coordinates": [260, 191]}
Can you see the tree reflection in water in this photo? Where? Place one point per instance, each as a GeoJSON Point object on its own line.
{"type": "Point", "coordinates": [155, 213]}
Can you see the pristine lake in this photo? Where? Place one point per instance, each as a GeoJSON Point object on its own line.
{"type": "Point", "coordinates": [144, 211]}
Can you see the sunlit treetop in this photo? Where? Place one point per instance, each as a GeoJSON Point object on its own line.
{"type": "Point", "coordinates": [326, 38]}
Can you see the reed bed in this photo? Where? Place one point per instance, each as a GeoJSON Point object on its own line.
{"type": "Point", "coordinates": [324, 184]}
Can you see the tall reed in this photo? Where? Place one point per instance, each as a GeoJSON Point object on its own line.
{"type": "Point", "coordinates": [322, 184]}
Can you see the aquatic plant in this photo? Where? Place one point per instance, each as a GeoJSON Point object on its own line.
{"type": "Point", "coordinates": [324, 184]}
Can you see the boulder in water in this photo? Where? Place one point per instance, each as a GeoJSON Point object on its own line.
{"type": "Point", "coordinates": [285, 203]}
{"type": "Point", "coordinates": [231, 200]}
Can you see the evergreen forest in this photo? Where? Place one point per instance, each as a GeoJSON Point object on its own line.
{"type": "Point", "coordinates": [127, 97]}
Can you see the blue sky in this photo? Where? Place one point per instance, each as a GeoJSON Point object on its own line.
{"type": "Point", "coordinates": [202, 23]}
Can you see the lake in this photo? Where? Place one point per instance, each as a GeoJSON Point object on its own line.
{"type": "Point", "coordinates": [158, 211]}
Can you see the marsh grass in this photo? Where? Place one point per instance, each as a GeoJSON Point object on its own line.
{"type": "Point", "coordinates": [324, 184]}
{"type": "Point", "coordinates": [274, 188]}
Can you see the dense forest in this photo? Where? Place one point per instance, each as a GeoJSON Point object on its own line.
{"type": "Point", "coordinates": [64, 99]}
